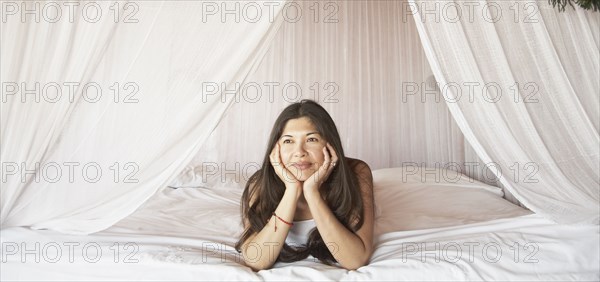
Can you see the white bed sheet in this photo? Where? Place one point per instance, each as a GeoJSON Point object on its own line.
{"type": "Point", "coordinates": [189, 233]}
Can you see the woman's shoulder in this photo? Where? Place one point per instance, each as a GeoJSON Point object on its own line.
{"type": "Point", "coordinates": [356, 163]}
{"type": "Point", "coordinates": [362, 171]}
{"type": "Point", "coordinates": [359, 167]}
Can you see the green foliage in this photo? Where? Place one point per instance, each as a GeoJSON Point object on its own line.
{"type": "Point", "coordinates": [585, 4]}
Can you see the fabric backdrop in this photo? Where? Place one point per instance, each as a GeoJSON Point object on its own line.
{"type": "Point", "coordinates": [363, 61]}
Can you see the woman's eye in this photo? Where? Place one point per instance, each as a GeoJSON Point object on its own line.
{"type": "Point", "coordinates": [287, 141]}
{"type": "Point", "coordinates": [313, 139]}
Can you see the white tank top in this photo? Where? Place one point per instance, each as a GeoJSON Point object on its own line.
{"type": "Point", "coordinates": [298, 234]}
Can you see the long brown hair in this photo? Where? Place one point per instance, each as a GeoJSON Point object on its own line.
{"type": "Point", "coordinates": [341, 189]}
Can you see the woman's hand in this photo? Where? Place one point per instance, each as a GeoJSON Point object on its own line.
{"type": "Point", "coordinates": [284, 174]}
{"type": "Point", "coordinates": [313, 183]}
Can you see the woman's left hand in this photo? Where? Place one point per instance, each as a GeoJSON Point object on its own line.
{"type": "Point", "coordinates": [313, 183]}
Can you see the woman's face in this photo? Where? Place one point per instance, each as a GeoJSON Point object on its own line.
{"type": "Point", "coordinates": [301, 148]}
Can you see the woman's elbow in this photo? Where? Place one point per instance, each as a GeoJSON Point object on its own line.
{"type": "Point", "coordinates": [257, 268]}
{"type": "Point", "coordinates": [357, 263]}
{"type": "Point", "coordinates": [353, 266]}
{"type": "Point", "coordinates": [258, 265]}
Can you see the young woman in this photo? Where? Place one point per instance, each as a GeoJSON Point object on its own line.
{"type": "Point", "coordinates": [307, 198]}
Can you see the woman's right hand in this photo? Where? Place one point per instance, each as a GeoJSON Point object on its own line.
{"type": "Point", "coordinates": [284, 174]}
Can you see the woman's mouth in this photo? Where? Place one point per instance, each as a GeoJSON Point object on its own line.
{"type": "Point", "coordinates": [302, 165]}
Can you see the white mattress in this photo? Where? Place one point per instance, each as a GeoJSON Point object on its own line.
{"type": "Point", "coordinates": [189, 233]}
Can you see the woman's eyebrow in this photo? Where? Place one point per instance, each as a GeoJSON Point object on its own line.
{"type": "Point", "coordinates": [287, 135]}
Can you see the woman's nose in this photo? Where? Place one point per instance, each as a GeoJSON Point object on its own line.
{"type": "Point", "coordinates": [299, 151]}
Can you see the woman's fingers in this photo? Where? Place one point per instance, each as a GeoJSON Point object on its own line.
{"type": "Point", "coordinates": [274, 157]}
{"type": "Point", "coordinates": [324, 170]}
{"type": "Point", "coordinates": [326, 153]}
{"type": "Point", "coordinates": [284, 174]}
{"type": "Point", "coordinates": [334, 156]}
{"type": "Point", "coordinates": [331, 157]}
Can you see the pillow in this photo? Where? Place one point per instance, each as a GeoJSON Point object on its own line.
{"type": "Point", "coordinates": [412, 198]}
{"type": "Point", "coordinates": [208, 177]}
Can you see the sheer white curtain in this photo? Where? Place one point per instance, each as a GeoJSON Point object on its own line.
{"type": "Point", "coordinates": [364, 62]}
{"type": "Point", "coordinates": [534, 110]}
{"type": "Point", "coordinates": [99, 112]}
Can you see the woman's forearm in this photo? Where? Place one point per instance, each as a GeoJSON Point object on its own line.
{"type": "Point", "coordinates": [261, 250]}
{"type": "Point", "coordinates": [345, 246]}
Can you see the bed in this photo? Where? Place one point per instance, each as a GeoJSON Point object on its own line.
{"type": "Point", "coordinates": [429, 226]}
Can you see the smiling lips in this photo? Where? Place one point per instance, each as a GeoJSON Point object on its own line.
{"type": "Point", "coordinates": [302, 165]}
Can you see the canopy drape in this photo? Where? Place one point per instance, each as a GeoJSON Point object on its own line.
{"type": "Point", "coordinates": [104, 106]}
{"type": "Point", "coordinates": [521, 81]}
{"type": "Point", "coordinates": [98, 116]}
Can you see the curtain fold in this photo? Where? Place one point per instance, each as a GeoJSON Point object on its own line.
{"type": "Point", "coordinates": [97, 116]}
{"type": "Point", "coordinates": [534, 111]}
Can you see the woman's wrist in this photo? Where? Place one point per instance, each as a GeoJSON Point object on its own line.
{"type": "Point", "coordinates": [311, 194]}
{"type": "Point", "coordinates": [294, 189]}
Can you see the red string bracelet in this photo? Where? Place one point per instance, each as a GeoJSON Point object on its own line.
{"type": "Point", "coordinates": [288, 223]}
